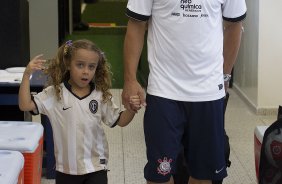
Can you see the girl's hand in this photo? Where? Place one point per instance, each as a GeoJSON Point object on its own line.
{"type": "Point", "coordinates": [135, 102]}
{"type": "Point", "coordinates": [35, 64]}
{"type": "Point", "coordinates": [132, 88]}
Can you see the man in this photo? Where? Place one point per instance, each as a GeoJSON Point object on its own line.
{"type": "Point", "coordinates": [78, 24]}
{"type": "Point", "coordinates": [192, 47]}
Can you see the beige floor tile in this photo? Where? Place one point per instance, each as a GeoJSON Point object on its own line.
{"type": "Point", "coordinates": [47, 181]}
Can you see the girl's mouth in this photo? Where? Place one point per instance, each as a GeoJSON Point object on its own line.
{"type": "Point", "coordinates": [84, 79]}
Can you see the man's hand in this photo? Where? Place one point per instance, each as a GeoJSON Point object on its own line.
{"type": "Point", "coordinates": [226, 86]}
{"type": "Point", "coordinates": [132, 88]}
{"type": "Point", "coordinates": [135, 102]}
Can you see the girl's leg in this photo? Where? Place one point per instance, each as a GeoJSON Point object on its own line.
{"type": "Point", "coordinates": [99, 177]}
{"type": "Point", "coordinates": [62, 178]}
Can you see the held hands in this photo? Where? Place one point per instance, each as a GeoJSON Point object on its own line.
{"type": "Point", "coordinates": [133, 89]}
{"type": "Point", "coordinates": [127, 115]}
{"type": "Point", "coordinates": [37, 63]}
{"type": "Point", "coordinates": [135, 102]}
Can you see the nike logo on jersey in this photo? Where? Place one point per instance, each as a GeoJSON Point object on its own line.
{"type": "Point", "coordinates": [218, 171]}
{"type": "Point", "coordinates": [66, 108]}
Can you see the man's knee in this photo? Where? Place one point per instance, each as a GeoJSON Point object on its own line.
{"type": "Point", "coordinates": [195, 181]}
{"type": "Point", "coordinates": [169, 182]}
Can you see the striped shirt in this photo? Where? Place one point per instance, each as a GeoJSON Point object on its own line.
{"type": "Point", "coordinates": [79, 140]}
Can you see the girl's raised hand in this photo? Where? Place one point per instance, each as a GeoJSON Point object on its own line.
{"type": "Point", "coordinates": [37, 63]}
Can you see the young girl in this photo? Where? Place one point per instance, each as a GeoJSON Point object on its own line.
{"type": "Point", "coordinates": [77, 101]}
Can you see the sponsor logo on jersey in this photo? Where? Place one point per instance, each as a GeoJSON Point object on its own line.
{"type": "Point", "coordinates": [188, 8]}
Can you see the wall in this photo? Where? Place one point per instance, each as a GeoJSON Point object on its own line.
{"type": "Point", "coordinates": [43, 26]}
{"type": "Point", "coordinates": [14, 33]}
{"type": "Point", "coordinates": [259, 64]}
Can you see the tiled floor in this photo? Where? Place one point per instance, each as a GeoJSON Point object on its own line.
{"type": "Point", "coordinates": [127, 148]}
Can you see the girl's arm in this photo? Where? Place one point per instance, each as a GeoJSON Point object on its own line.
{"type": "Point", "coordinates": [125, 118]}
{"type": "Point", "coordinates": [127, 115]}
{"type": "Point", "coordinates": [25, 101]}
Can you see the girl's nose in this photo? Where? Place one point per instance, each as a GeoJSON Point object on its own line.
{"type": "Point", "coordinates": [85, 70]}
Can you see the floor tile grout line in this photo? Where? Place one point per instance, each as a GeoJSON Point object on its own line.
{"type": "Point", "coordinates": [122, 138]}
{"type": "Point", "coordinates": [242, 164]}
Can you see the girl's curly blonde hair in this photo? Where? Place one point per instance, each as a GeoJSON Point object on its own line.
{"type": "Point", "coordinates": [57, 69]}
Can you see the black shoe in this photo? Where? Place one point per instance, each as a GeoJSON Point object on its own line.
{"type": "Point", "coordinates": [82, 26]}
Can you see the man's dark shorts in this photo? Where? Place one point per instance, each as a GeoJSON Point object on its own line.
{"type": "Point", "coordinates": [198, 126]}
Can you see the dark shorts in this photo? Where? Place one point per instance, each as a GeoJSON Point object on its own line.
{"type": "Point", "coordinates": [99, 177]}
{"type": "Point", "coordinates": [170, 125]}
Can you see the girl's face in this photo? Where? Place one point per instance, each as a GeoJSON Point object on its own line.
{"type": "Point", "coordinates": [82, 68]}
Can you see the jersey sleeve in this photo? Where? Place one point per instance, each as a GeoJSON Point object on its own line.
{"type": "Point", "coordinates": [139, 9]}
{"type": "Point", "coordinates": [44, 100]}
{"type": "Point", "coordinates": [234, 10]}
{"type": "Point", "coordinates": [110, 113]}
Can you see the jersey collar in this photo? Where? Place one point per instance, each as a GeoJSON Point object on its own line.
{"type": "Point", "coordinates": [68, 86]}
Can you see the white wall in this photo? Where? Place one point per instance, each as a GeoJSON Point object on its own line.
{"type": "Point", "coordinates": [43, 26]}
{"type": "Point", "coordinates": [257, 75]}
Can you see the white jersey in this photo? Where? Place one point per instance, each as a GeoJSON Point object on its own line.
{"type": "Point", "coordinates": [185, 45]}
{"type": "Point", "coordinates": [79, 139]}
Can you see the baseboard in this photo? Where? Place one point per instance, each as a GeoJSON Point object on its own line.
{"type": "Point", "coordinates": [258, 111]}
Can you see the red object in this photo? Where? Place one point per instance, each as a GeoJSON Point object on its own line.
{"type": "Point", "coordinates": [26, 138]}
{"type": "Point", "coordinates": [33, 165]}
{"type": "Point", "coordinates": [257, 148]}
{"type": "Point", "coordinates": [21, 177]}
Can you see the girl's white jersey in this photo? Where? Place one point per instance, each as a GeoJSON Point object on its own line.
{"type": "Point", "coordinates": [79, 139]}
{"type": "Point", "coordinates": [185, 45]}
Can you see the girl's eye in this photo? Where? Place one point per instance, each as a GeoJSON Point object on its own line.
{"type": "Point", "coordinates": [92, 67]}
{"type": "Point", "coordinates": [80, 65]}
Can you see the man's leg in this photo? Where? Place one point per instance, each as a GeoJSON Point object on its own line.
{"type": "Point", "coordinates": [78, 24]}
{"type": "Point", "coordinates": [205, 142]}
{"type": "Point", "coordinates": [195, 181]}
{"type": "Point", "coordinates": [191, 181]}
{"type": "Point", "coordinates": [76, 11]}
{"type": "Point", "coordinates": [169, 182]}
{"type": "Point", "coordinates": [163, 130]}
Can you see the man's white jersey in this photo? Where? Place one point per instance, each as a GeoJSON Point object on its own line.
{"type": "Point", "coordinates": [79, 139]}
{"type": "Point", "coordinates": [185, 45]}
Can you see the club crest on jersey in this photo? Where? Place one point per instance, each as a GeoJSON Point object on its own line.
{"type": "Point", "coordinates": [164, 167]}
{"type": "Point", "coordinates": [93, 106]}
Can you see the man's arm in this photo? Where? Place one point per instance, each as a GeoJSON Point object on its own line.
{"type": "Point", "coordinates": [232, 40]}
{"type": "Point", "coordinates": [231, 45]}
{"type": "Point", "coordinates": [133, 45]}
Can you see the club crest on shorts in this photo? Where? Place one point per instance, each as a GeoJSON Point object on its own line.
{"type": "Point", "coordinates": [164, 167]}
{"type": "Point", "coordinates": [93, 106]}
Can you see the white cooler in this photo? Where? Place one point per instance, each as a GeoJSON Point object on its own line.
{"type": "Point", "coordinates": [27, 138]}
{"type": "Point", "coordinates": [11, 167]}
{"type": "Point", "coordinates": [258, 138]}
